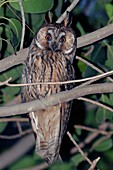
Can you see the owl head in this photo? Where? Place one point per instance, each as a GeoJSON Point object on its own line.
{"type": "Point", "coordinates": [57, 37]}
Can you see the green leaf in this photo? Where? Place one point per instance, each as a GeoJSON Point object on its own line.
{"type": "Point", "coordinates": [25, 162]}
{"type": "Point", "coordinates": [1, 11]}
{"type": "Point", "coordinates": [77, 159]}
{"type": "Point", "coordinates": [58, 8]}
{"type": "Point", "coordinates": [36, 21]}
{"type": "Point", "coordinates": [109, 10]}
{"type": "Point", "coordinates": [80, 28]}
{"type": "Point", "coordinates": [109, 61]}
{"type": "Point", "coordinates": [104, 145]}
{"type": "Point", "coordinates": [34, 6]}
{"type": "Point", "coordinates": [2, 126]}
{"type": "Point", "coordinates": [16, 29]}
{"type": "Point", "coordinates": [103, 114]}
{"type": "Point", "coordinates": [98, 56]}
{"type": "Point", "coordinates": [61, 166]}
{"type": "Point", "coordinates": [78, 131]}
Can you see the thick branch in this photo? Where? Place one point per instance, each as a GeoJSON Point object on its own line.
{"type": "Point", "coordinates": [16, 151]}
{"type": "Point", "coordinates": [13, 60]}
{"type": "Point", "coordinates": [97, 35]}
{"type": "Point", "coordinates": [81, 42]}
{"type": "Point", "coordinates": [55, 99]}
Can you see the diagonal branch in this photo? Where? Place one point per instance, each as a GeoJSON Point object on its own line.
{"type": "Point", "coordinates": [81, 42]}
{"type": "Point", "coordinates": [69, 9]}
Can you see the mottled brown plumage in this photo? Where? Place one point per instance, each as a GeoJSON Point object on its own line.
{"type": "Point", "coordinates": [50, 59]}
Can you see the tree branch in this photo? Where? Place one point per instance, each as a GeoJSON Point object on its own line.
{"type": "Point", "coordinates": [13, 60]}
{"type": "Point", "coordinates": [79, 149]}
{"type": "Point", "coordinates": [16, 151]}
{"type": "Point", "coordinates": [88, 63]}
{"type": "Point", "coordinates": [56, 99]}
{"type": "Point", "coordinates": [96, 103]}
{"type": "Point", "coordinates": [91, 137]}
{"type": "Point", "coordinates": [69, 9]}
{"type": "Point", "coordinates": [81, 42]}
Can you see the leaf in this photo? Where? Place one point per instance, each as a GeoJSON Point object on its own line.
{"type": "Point", "coordinates": [78, 131]}
{"type": "Point", "coordinates": [16, 29]}
{"type": "Point", "coordinates": [104, 145]}
{"type": "Point", "coordinates": [80, 28]}
{"type": "Point", "coordinates": [77, 159]}
{"type": "Point", "coordinates": [103, 114]}
{"type": "Point", "coordinates": [109, 10]}
{"type": "Point", "coordinates": [97, 56]}
{"type": "Point", "coordinates": [37, 21]}
{"type": "Point", "coordinates": [1, 11]}
{"type": "Point", "coordinates": [109, 61]}
{"type": "Point", "coordinates": [2, 126]}
{"type": "Point", "coordinates": [34, 6]}
{"type": "Point", "coordinates": [62, 166]}
{"type": "Point", "coordinates": [59, 8]}
{"type": "Point", "coordinates": [24, 162]}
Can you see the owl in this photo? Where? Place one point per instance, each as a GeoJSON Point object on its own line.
{"type": "Point", "coordinates": [50, 59]}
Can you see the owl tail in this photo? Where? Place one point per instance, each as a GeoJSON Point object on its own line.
{"type": "Point", "coordinates": [46, 125]}
{"type": "Point", "coordinates": [47, 151]}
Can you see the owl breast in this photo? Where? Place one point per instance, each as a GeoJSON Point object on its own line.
{"type": "Point", "coordinates": [49, 124]}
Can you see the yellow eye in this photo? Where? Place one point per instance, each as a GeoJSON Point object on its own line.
{"type": "Point", "coordinates": [62, 39]}
{"type": "Point", "coordinates": [48, 37]}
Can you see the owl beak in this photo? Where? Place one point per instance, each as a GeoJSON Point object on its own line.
{"type": "Point", "coordinates": [54, 46]}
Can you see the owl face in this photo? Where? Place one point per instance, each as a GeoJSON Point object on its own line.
{"type": "Point", "coordinates": [56, 38]}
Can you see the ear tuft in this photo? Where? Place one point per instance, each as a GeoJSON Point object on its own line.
{"type": "Point", "coordinates": [48, 18]}
{"type": "Point", "coordinates": [68, 20]}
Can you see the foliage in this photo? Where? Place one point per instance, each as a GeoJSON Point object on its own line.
{"type": "Point", "coordinates": [87, 17]}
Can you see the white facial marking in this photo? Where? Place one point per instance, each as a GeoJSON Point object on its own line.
{"type": "Point", "coordinates": [69, 50]}
{"type": "Point", "coordinates": [39, 45]}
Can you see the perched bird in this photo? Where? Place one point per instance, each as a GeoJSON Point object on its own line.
{"type": "Point", "coordinates": [50, 59]}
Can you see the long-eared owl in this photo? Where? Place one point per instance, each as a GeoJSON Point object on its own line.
{"type": "Point", "coordinates": [50, 59]}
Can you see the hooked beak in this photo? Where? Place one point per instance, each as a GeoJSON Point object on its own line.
{"type": "Point", "coordinates": [54, 46]}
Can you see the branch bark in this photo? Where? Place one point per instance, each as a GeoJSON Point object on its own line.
{"type": "Point", "coordinates": [16, 151]}
{"type": "Point", "coordinates": [56, 99]}
{"type": "Point", "coordinates": [81, 42]}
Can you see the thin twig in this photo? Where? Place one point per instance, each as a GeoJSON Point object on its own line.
{"type": "Point", "coordinates": [100, 141]}
{"type": "Point", "coordinates": [90, 138]}
{"type": "Point", "coordinates": [94, 164]}
{"type": "Point", "coordinates": [5, 82]}
{"type": "Point", "coordinates": [17, 135]}
{"type": "Point", "coordinates": [19, 127]}
{"type": "Point", "coordinates": [79, 149]}
{"type": "Point", "coordinates": [69, 9]}
{"type": "Point", "coordinates": [92, 66]}
{"type": "Point", "coordinates": [89, 51]}
{"type": "Point", "coordinates": [96, 103]}
{"type": "Point", "coordinates": [19, 18]}
{"type": "Point", "coordinates": [23, 24]}
{"type": "Point", "coordinates": [94, 78]}
{"type": "Point", "coordinates": [100, 131]}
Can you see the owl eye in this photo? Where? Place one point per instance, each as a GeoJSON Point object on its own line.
{"type": "Point", "coordinates": [62, 39]}
{"type": "Point", "coordinates": [48, 37]}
